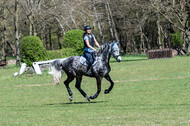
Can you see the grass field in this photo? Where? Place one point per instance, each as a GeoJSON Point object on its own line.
{"type": "Point", "coordinates": [146, 93]}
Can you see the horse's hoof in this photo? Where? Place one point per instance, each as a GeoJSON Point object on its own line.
{"type": "Point", "coordinates": [91, 97]}
{"type": "Point", "coordinates": [71, 99]}
{"type": "Point", "coordinates": [106, 91]}
{"type": "Point", "coordinates": [88, 100]}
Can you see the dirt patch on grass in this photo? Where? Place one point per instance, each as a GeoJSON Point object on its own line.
{"type": "Point", "coordinates": [34, 85]}
{"type": "Point", "coordinates": [13, 61]}
{"type": "Point", "coordinates": [116, 81]}
{"type": "Point", "coordinates": [165, 78]}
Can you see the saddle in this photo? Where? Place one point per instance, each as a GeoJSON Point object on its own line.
{"type": "Point", "coordinates": [85, 62]}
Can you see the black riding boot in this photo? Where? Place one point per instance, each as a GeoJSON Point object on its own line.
{"type": "Point", "coordinates": [89, 67]}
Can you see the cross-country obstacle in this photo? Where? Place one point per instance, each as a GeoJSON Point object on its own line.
{"type": "Point", "coordinates": [160, 53]}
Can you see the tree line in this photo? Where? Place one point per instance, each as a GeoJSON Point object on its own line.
{"type": "Point", "coordinates": [140, 25]}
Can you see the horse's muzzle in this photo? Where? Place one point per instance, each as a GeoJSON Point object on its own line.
{"type": "Point", "coordinates": [118, 59]}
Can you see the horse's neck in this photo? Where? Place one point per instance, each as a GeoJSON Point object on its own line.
{"type": "Point", "coordinates": [105, 55]}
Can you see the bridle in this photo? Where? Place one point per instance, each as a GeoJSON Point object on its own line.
{"type": "Point", "coordinates": [116, 56]}
{"type": "Point", "coordinates": [112, 48]}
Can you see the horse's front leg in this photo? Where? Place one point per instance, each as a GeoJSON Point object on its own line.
{"type": "Point", "coordinates": [99, 81]}
{"type": "Point", "coordinates": [111, 82]}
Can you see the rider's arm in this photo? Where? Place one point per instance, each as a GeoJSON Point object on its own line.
{"type": "Point", "coordinates": [88, 44]}
{"type": "Point", "coordinates": [97, 44]}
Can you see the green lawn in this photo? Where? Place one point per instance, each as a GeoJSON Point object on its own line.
{"type": "Point", "coordinates": [146, 93]}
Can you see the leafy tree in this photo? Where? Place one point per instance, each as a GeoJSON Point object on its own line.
{"type": "Point", "coordinates": [61, 53]}
{"type": "Point", "coordinates": [32, 50]}
{"type": "Point", "coordinates": [177, 40]}
{"type": "Point", "coordinates": [73, 39]}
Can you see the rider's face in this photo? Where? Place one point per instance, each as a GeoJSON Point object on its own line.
{"type": "Point", "coordinates": [89, 31]}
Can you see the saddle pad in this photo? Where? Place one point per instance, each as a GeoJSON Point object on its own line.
{"type": "Point", "coordinates": [83, 60]}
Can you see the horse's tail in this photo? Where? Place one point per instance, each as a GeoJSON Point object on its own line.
{"type": "Point", "coordinates": [57, 71]}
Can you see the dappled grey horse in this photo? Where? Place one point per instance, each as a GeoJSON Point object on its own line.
{"type": "Point", "coordinates": [100, 68]}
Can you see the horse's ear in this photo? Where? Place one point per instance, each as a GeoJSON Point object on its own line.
{"type": "Point", "coordinates": [112, 43]}
{"type": "Point", "coordinates": [117, 42]}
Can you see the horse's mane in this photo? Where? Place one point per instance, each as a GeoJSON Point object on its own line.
{"type": "Point", "coordinates": [104, 46]}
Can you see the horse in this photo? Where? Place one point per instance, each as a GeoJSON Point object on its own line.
{"type": "Point", "coordinates": [75, 69]}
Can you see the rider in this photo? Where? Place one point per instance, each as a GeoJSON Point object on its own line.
{"type": "Point", "coordinates": [89, 41]}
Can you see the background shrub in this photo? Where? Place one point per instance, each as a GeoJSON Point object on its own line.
{"type": "Point", "coordinates": [32, 50]}
{"type": "Point", "coordinates": [73, 39]}
{"type": "Point", "coordinates": [62, 53]}
{"type": "Point", "coordinates": [177, 40]}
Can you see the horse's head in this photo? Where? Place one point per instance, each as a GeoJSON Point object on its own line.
{"type": "Point", "coordinates": [115, 51]}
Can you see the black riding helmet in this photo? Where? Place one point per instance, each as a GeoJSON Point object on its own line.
{"type": "Point", "coordinates": [87, 27]}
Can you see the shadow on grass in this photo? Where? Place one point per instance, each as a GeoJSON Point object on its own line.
{"type": "Point", "coordinates": [132, 106]}
{"type": "Point", "coordinates": [68, 103]}
{"type": "Point", "coordinates": [131, 60]}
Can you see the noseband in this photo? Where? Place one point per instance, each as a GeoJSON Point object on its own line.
{"type": "Point", "coordinates": [116, 56]}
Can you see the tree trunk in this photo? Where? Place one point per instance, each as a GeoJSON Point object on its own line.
{"type": "Point", "coordinates": [16, 34]}
{"type": "Point", "coordinates": [94, 26]}
{"type": "Point", "coordinates": [168, 36]}
{"type": "Point", "coordinates": [61, 26]}
{"type": "Point", "coordinates": [188, 25]}
{"type": "Point", "coordinates": [134, 44]}
{"type": "Point", "coordinates": [109, 20]}
{"type": "Point", "coordinates": [73, 20]}
{"type": "Point", "coordinates": [59, 39]}
{"type": "Point", "coordinates": [12, 46]}
{"type": "Point", "coordinates": [98, 22]}
{"type": "Point", "coordinates": [34, 28]}
{"type": "Point", "coordinates": [173, 3]}
{"type": "Point", "coordinates": [123, 43]}
{"type": "Point", "coordinates": [46, 41]}
{"type": "Point", "coordinates": [50, 42]}
{"type": "Point", "coordinates": [31, 17]}
{"type": "Point", "coordinates": [31, 25]}
{"type": "Point", "coordinates": [3, 33]}
{"type": "Point", "coordinates": [142, 45]}
{"type": "Point", "coordinates": [187, 39]}
{"type": "Point", "coordinates": [46, 36]}
{"type": "Point", "coordinates": [3, 45]}
{"type": "Point", "coordinates": [148, 39]}
{"type": "Point", "coordinates": [159, 34]}
{"type": "Point", "coordinates": [158, 27]}
{"type": "Point", "coordinates": [112, 21]}
{"type": "Point", "coordinates": [63, 30]}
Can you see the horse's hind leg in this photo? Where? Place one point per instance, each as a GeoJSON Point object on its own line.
{"type": "Point", "coordinates": [111, 86]}
{"type": "Point", "coordinates": [66, 82]}
{"type": "Point", "coordinates": [78, 86]}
